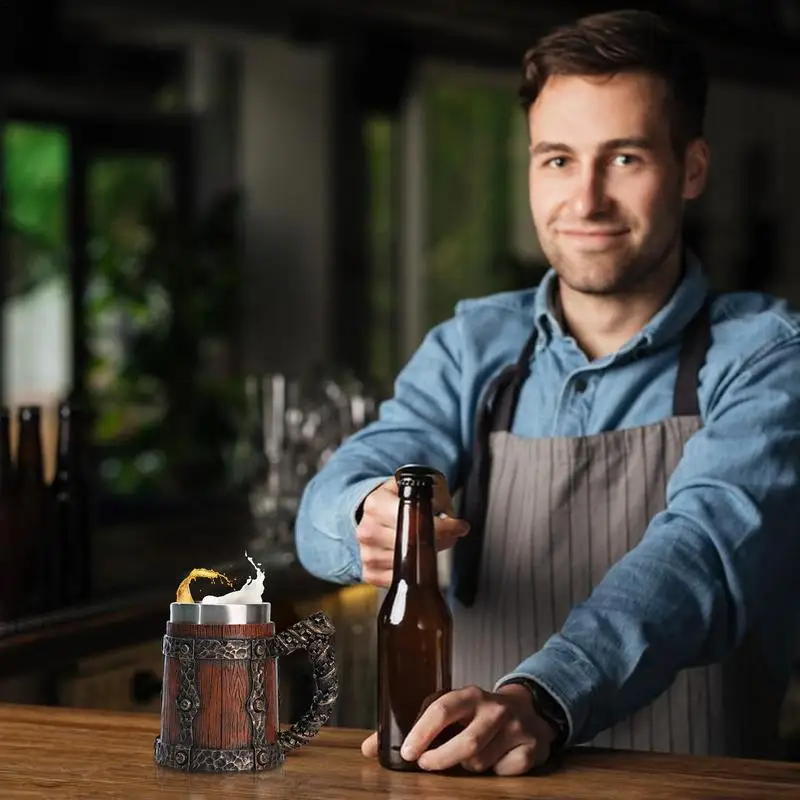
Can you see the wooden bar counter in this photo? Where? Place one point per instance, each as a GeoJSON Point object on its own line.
{"type": "Point", "coordinates": [56, 753]}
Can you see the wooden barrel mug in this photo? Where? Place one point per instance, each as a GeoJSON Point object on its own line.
{"type": "Point", "coordinates": [219, 706]}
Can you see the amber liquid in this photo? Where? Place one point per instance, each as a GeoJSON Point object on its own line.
{"type": "Point", "coordinates": [415, 631]}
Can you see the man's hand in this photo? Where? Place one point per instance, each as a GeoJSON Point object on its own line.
{"type": "Point", "coordinates": [502, 732]}
{"type": "Point", "coordinates": [376, 530]}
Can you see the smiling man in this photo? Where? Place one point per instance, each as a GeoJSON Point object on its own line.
{"type": "Point", "coordinates": [628, 444]}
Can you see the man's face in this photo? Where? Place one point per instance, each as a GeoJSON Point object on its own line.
{"type": "Point", "coordinates": [606, 187]}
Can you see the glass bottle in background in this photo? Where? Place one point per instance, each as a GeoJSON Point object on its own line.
{"type": "Point", "coordinates": [11, 556]}
{"type": "Point", "coordinates": [415, 627]}
{"type": "Point", "coordinates": [69, 534]}
{"type": "Point", "coordinates": [31, 509]}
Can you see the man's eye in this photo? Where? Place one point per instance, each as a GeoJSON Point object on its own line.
{"type": "Point", "coordinates": [625, 159]}
{"type": "Point", "coordinates": [557, 162]}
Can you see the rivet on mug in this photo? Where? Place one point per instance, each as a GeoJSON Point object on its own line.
{"type": "Point", "coordinates": [259, 649]}
{"type": "Point", "coordinates": [258, 705]}
{"type": "Point", "coordinates": [180, 758]}
{"type": "Point", "coordinates": [185, 704]}
{"type": "Point", "coordinates": [185, 649]}
{"type": "Point", "coordinates": [262, 757]}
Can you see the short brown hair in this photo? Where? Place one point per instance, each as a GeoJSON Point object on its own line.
{"type": "Point", "coordinates": [625, 41]}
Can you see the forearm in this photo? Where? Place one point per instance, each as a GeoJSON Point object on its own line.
{"type": "Point", "coordinates": [663, 607]}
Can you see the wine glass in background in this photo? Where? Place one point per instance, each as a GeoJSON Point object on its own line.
{"type": "Point", "coordinates": [290, 429]}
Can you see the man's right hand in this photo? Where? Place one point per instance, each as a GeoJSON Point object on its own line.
{"type": "Point", "coordinates": [378, 525]}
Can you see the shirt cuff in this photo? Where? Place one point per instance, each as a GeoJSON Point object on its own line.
{"type": "Point", "coordinates": [357, 494]}
{"type": "Point", "coordinates": [568, 676]}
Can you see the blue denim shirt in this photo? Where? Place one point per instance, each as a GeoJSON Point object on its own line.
{"type": "Point", "coordinates": [723, 560]}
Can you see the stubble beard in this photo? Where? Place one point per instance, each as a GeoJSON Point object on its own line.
{"type": "Point", "coordinates": [615, 271]}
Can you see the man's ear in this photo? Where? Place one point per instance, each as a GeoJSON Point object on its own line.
{"type": "Point", "coordinates": [696, 165]}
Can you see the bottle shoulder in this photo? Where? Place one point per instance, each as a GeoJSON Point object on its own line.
{"type": "Point", "coordinates": [422, 606]}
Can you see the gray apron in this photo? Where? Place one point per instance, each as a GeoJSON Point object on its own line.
{"type": "Point", "coordinates": [549, 517]}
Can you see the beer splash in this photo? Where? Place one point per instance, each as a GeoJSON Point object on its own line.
{"type": "Point", "coordinates": [184, 593]}
{"type": "Point", "coordinates": [251, 592]}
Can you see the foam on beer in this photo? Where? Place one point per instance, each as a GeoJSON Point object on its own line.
{"type": "Point", "coordinates": [251, 592]}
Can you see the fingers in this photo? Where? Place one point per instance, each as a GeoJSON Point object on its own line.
{"type": "Point", "coordinates": [377, 554]}
{"type": "Point", "coordinates": [469, 744]}
{"type": "Point", "coordinates": [521, 759]}
{"type": "Point", "coordinates": [448, 531]}
{"type": "Point", "coordinates": [496, 754]}
{"type": "Point", "coordinates": [376, 533]}
{"type": "Point", "coordinates": [369, 747]}
{"type": "Point", "coordinates": [381, 503]}
{"type": "Point", "coordinates": [382, 579]}
{"type": "Point", "coordinates": [495, 737]}
{"type": "Point", "coordinates": [447, 710]}
{"type": "Point", "coordinates": [485, 759]}
{"type": "Point", "coordinates": [482, 742]}
{"type": "Point", "coordinates": [442, 501]}
{"type": "Point", "coordinates": [377, 546]}
{"type": "Point", "coordinates": [377, 528]}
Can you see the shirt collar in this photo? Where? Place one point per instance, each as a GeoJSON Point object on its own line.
{"type": "Point", "coordinates": [547, 314]}
{"type": "Point", "coordinates": [667, 323]}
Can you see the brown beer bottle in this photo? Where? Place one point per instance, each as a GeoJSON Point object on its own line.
{"type": "Point", "coordinates": [70, 552]}
{"type": "Point", "coordinates": [415, 627]}
{"type": "Point", "coordinates": [10, 556]}
{"type": "Point", "coordinates": [31, 507]}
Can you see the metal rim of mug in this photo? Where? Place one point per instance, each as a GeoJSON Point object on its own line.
{"type": "Point", "coordinates": [220, 613]}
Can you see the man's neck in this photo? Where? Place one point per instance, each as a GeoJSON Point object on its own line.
{"type": "Point", "coordinates": [602, 324]}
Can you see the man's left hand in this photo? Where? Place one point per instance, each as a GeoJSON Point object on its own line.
{"type": "Point", "coordinates": [501, 732]}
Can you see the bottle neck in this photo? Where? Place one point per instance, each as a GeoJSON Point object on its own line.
{"type": "Point", "coordinates": [6, 465]}
{"type": "Point", "coordinates": [29, 456]}
{"type": "Point", "coordinates": [415, 548]}
{"type": "Point", "coordinates": [65, 448]}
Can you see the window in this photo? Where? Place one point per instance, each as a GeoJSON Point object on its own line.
{"type": "Point", "coordinates": [37, 322]}
{"type": "Point", "coordinates": [117, 291]}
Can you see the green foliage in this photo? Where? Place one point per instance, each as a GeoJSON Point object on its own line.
{"type": "Point", "coordinates": [171, 287]}
{"type": "Point", "coordinates": [35, 166]}
{"type": "Point", "coordinates": [160, 306]}
{"type": "Point", "coordinates": [468, 160]}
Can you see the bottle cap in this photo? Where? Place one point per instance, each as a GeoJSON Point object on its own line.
{"type": "Point", "coordinates": [417, 475]}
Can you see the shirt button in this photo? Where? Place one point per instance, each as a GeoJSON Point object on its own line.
{"type": "Point", "coordinates": [580, 385]}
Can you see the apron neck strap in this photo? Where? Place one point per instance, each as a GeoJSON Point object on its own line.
{"type": "Point", "coordinates": [509, 384]}
{"type": "Point", "coordinates": [503, 393]}
{"type": "Point", "coordinates": [694, 347]}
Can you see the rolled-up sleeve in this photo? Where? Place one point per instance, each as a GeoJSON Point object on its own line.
{"type": "Point", "coordinates": [714, 566]}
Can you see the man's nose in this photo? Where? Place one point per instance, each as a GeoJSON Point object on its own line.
{"type": "Point", "coordinates": [590, 197]}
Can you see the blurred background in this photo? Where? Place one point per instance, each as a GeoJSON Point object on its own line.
{"type": "Point", "coordinates": [225, 226]}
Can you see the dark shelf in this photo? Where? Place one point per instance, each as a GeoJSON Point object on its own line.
{"type": "Point", "coordinates": [137, 569]}
{"type": "Point", "coordinates": [58, 639]}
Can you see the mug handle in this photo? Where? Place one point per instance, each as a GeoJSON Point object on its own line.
{"type": "Point", "coordinates": [314, 635]}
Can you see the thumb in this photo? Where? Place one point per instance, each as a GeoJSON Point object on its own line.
{"type": "Point", "coordinates": [369, 747]}
{"type": "Point", "coordinates": [442, 501]}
